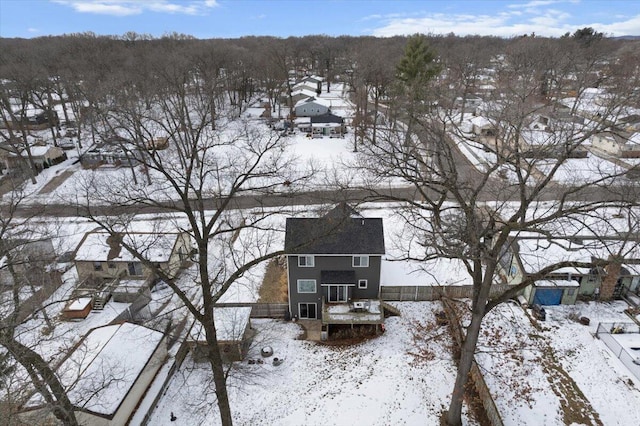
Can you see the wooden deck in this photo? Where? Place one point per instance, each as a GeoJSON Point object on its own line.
{"type": "Point", "coordinates": [366, 311]}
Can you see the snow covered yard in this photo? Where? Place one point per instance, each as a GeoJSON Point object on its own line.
{"type": "Point", "coordinates": [377, 382]}
{"type": "Point", "coordinates": [610, 387]}
{"type": "Point", "coordinates": [557, 372]}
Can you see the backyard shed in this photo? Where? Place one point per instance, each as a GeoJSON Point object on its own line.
{"type": "Point", "coordinates": [553, 292]}
{"type": "Point", "coordinates": [233, 329]}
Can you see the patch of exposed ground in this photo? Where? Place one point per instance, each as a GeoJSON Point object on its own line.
{"type": "Point", "coordinates": [576, 408]}
{"type": "Point", "coordinates": [56, 182]}
{"type": "Point", "coordinates": [274, 283]}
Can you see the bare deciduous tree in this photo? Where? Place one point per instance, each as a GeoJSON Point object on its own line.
{"type": "Point", "coordinates": [24, 273]}
{"type": "Point", "coordinates": [470, 214]}
{"type": "Point", "coordinates": [202, 177]}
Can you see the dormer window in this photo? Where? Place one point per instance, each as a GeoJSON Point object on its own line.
{"type": "Point", "coordinates": [360, 261]}
{"type": "Point", "coordinates": [305, 261]}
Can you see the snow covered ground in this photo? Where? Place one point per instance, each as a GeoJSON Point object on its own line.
{"type": "Point", "coordinates": [557, 372]}
{"type": "Point", "coordinates": [377, 382]}
{"type": "Point", "coordinates": [554, 374]}
{"type": "Point", "coordinates": [326, 159]}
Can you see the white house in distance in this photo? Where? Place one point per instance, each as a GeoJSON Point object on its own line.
{"type": "Point", "coordinates": [310, 82]}
{"type": "Point", "coordinates": [322, 125]}
{"type": "Point", "coordinates": [483, 127]}
{"type": "Point", "coordinates": [43, 156]}
{"type": "Point", "coordinates": [618, 144]}
{"type": "Point", "coordinates": [102, 255]}
{"type": "Point", "coordinates": [305, 87]}
{"type": "Point", "coordinates": [298, 95]}
{"type": "Point", "coordinates": [107, 375]}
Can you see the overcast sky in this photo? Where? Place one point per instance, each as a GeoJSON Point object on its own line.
{"type": "Point", "coordinates": [283, 18]}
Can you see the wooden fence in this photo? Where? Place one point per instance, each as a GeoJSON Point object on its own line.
{"type": "Point", "coordinates": [430, 293]}
{"type": "Point", "coordinates": [475, 375]}
{"type": "Point", "coordinates": [261, 310]}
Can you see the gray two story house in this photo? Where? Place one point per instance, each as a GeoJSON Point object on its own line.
{"type": "Point", "coordinates": [333, 267]}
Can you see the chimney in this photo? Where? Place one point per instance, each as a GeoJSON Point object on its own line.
{"type": "Point", "coordinates": [610, 280]}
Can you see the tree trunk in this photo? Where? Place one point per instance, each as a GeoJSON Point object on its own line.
{"type": "Point", "coordinates": [213, 112]}
{"type": "Point", "coordinates": [31, 360]}
{"type": "Point", "coordinates": [467, 352]}
{"type": "Point", "coordinates": [32, 165]}
{"type": "Point", "coordinates": [217, 367]}
{"type": "Point", "coordinates": [54, 128]}
{"type": "Point", "coordinates": [376, 107]}
{"type": "Point", "coordinates": [213, 350]}
{"type": "Point", "coordinates": [131, 165]}
{"type": "Point", "coordinates": [464, 104]}
{"type": "Point", "coordinates": [63, 103]}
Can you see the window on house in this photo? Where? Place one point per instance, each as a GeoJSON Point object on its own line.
{"type": "Point", "coordinates": [111, 265]}
{"type": "Point", "coordinates": [360, 261]}
{"type": "Point", "coordinates": [337, 293]}
{"type": "Point", "coordinates": [305, 261]}
{"type": "Point", "coordinates": [306, 286]}
{"type": "Point", "coordinates": [307, 310]}
{"type": "Point", "coordinates": [135, 268]}
{"type": "Point", "coordinates": [97, 266]}
{"type": "Point", "coordinates": [362, 283]}
{"type": "Point", "coordinates": [571, 291]}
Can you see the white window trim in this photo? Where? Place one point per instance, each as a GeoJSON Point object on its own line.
{"type": "Point", "coordinates": [361, 257]}
{"type": "Point", "coordinates": [315, 287]}
{"type": "Point", "coordinates": [338, 300]}
{"type": "Point", "coordinates": [307, 303]}
{"type": "Point", "coordinates": [366, 284]}
{"type": "Point", "coordinates": [307, 263]}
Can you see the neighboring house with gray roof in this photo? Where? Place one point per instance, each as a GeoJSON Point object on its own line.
{"type": "Point", "coordinates": [333, 267]}
{"type": "Point", "coordinates": [311, 107]}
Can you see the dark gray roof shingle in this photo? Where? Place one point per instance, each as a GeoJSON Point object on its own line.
{"type": "Point", "coordinates": [334, 234]}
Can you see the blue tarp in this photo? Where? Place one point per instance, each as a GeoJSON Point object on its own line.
{"type": "Point", "coordinates": [548, 296]}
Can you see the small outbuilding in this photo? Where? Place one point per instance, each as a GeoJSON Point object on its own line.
{"type": "Point", "coordinates": [78, 308]}
{"type": "Point", "coordinates": [234, 332]}
{"type": "Point", "coordinates": [552, 292]}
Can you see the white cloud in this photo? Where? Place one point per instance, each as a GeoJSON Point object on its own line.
{"type": "Point", "coordinates": [532, 4]}
{"type": "Point", "coordinates": [543, 17]}
{"type": "Point", "coordinates": [33, 30]}
{"type": "Point", "coordinates": [459, 24]}
{"type": "Point", "coordinates": [630, 26]}
{"type": "Point", "coordinates": [136, 7]}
